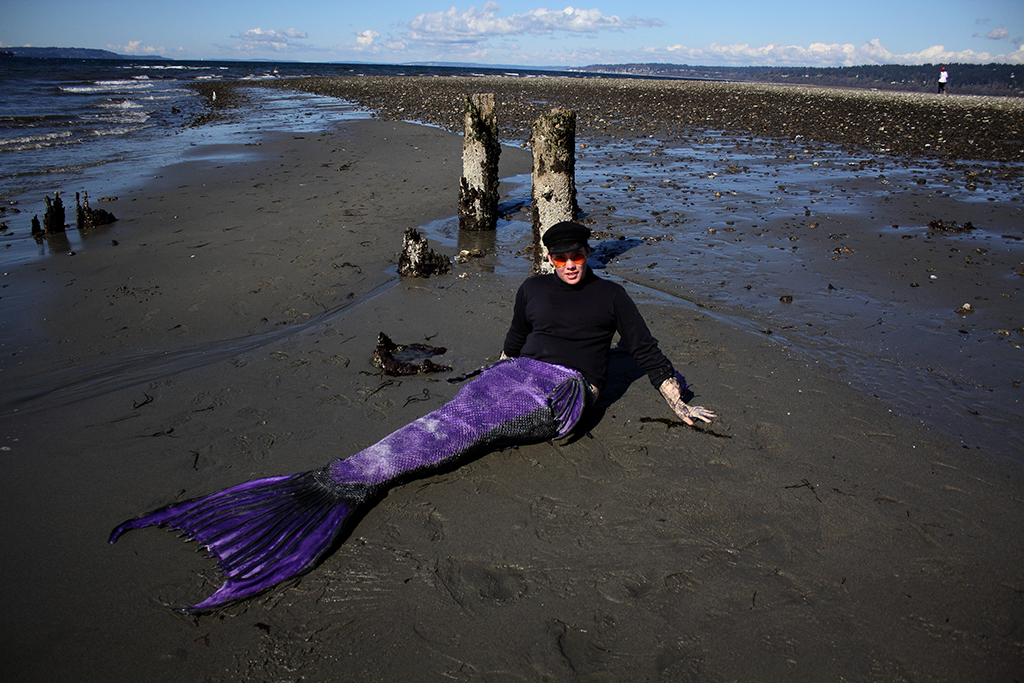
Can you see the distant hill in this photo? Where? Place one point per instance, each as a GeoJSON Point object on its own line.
{"type": "Point", "coordinates": [67, 53]}
{"type": "Point", "coordinates": [964, 79]}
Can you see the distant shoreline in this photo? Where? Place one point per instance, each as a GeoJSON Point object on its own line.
{"type": "Point", "coordinates": [71, 53]}
{"type": "Point", "coordinates": [992, 79]}
{"type": "Point", "coordinates": [999, 80]}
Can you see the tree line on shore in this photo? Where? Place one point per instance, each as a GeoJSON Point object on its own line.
{"type": "Point", "coordinates": [964, 79]}
{"type": "Point", "coordinates": [68, 53]}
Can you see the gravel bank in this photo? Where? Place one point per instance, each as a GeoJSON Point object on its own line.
{"type": "Point", "coordinates": [956, 129]}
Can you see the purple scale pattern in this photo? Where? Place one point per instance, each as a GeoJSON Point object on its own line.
{"type": "Point", "coordinates": [265, 531]}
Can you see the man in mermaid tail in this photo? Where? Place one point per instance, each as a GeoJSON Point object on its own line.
{"type": "Point", "coordinates": [554, 364]}
{"type": "Point", "coordinates": [569, 318]}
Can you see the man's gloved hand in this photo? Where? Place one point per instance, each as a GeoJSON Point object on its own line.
{"type": "Point", "coordinates": [672, 390]}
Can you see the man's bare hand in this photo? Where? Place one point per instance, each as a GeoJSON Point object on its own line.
{"type": "Point", "coordinates": [672, 391]}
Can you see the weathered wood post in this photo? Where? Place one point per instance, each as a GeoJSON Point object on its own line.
{"type": "Point", "coordinates": [418, 259]}
{"type": "Point", "coordinates": [554, 177]}
{"type": "Point", "coordinates": [53, 218]}
{"type": "Point", "coordinates": [478, 190]}
{"type": "Point", "coordinates": [81, 214]}
{"type": "Point", "coordinates": [87, 217]}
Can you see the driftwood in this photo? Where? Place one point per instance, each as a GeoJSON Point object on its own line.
{"type": "Point", "coordinates": [397, 360]}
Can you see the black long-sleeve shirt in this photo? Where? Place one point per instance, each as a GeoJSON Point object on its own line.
{"type": "Point", "coordinates": [573, 325]}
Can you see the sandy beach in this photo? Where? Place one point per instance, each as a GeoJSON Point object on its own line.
{"type": "Point", "coordinates": [222, 330]}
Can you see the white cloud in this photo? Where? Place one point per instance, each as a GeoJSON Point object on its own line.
{"type": "Point", "coordinates": [998, 34]}
{"type": "Point", "coordinates": [473, 26]}
{"type": "Point", "coordinates": [280, 41]}
{"type": "Point", "coordinates": [135, 47]}
{"type": "Point", "coordinates": [826, 55]}
{"type": "Point", "coordinates": [364, 39]}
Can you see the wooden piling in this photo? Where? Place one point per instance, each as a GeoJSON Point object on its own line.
{"type": "Point", "coordinates": [554, 176]}
{"type": "Point", "coordinates": [478, 189]}
{"type": "Point", "coordinates": [87, 217]}
{"type": "Point", "coordinates": [418, 259]}
{"type": "Point", "coordinates": [54, 218]}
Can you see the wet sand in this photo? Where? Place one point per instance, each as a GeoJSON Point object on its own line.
{"type": "Point", "coordinates": [811, 533]}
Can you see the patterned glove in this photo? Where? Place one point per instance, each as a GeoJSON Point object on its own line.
{"type": "Point", "coordinates": [672, 390]}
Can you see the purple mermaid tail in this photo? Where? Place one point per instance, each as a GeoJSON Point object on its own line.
{"type": "Point", "coordinates": [269, 530]}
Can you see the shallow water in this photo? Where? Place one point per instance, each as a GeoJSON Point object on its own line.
{"type": "Point", "coordinates": [101, 126]}
{"type": "Point", "coordinates": [117, 175]}
{"type": "Point", "coordinates": [800, 245]}
{"type": "Point", "coordinates": [803, 245]}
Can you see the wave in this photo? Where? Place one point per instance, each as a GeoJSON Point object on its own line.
{"type": "Point", "coordinates": [110, 117]}
{"type": "Point", "coordinates": [38, 141]}
{"type": "Point", "coordinates": [107, 86]}
{"type": "Point", "coordinates": [119, 130]}
{"type": "Point", "coordinates": [121, 104]}
{"type": "Point", "coordinates": [260, 77]}
{"type": "Point", "coordinates": [172, 67]}
{"type": "Point", "coordinates": [23, 120]}
{"type": "Point", "coordinates": [64, 169]}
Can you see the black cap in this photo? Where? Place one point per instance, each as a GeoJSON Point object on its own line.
{"type": "Point", "coordinates": [565, 237]}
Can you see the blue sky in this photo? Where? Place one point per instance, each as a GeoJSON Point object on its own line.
{"type": "Point", "coordinates": [533, 32]}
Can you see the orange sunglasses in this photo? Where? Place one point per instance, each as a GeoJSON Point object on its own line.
{"type": "Point", "coordinates": [579, 258]}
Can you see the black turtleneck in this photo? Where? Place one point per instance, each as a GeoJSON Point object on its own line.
{"type": "Point", "coordinates": [573, 325]}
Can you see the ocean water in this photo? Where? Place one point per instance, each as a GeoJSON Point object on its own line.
{"type": "Point", "coordinates": [99, 126]}
{"type": "Point", "coordinates": [722, 223]}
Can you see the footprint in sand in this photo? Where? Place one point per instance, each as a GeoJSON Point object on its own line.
{"type": "Point", "coordinates": [472, 583]}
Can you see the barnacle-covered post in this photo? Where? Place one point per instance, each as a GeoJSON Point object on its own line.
{"type": "Point", "coordinates": [478, 190]}
{"type": "Point", "coordinates": [418, 259]}
{"type": "Point", "coordinates": [87, 217]}
{"type": "Point", "coordinates": [554, 177]}
{"type": "Point", "coordinates": [82, 212]}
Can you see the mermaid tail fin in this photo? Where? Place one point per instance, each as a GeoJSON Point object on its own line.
{"type": "Point", "coordinates": [261, 532]}
{"type": "Point", "coordinates": [269, 530]}
{"type": "Point", "coordinates": [567, 403]}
